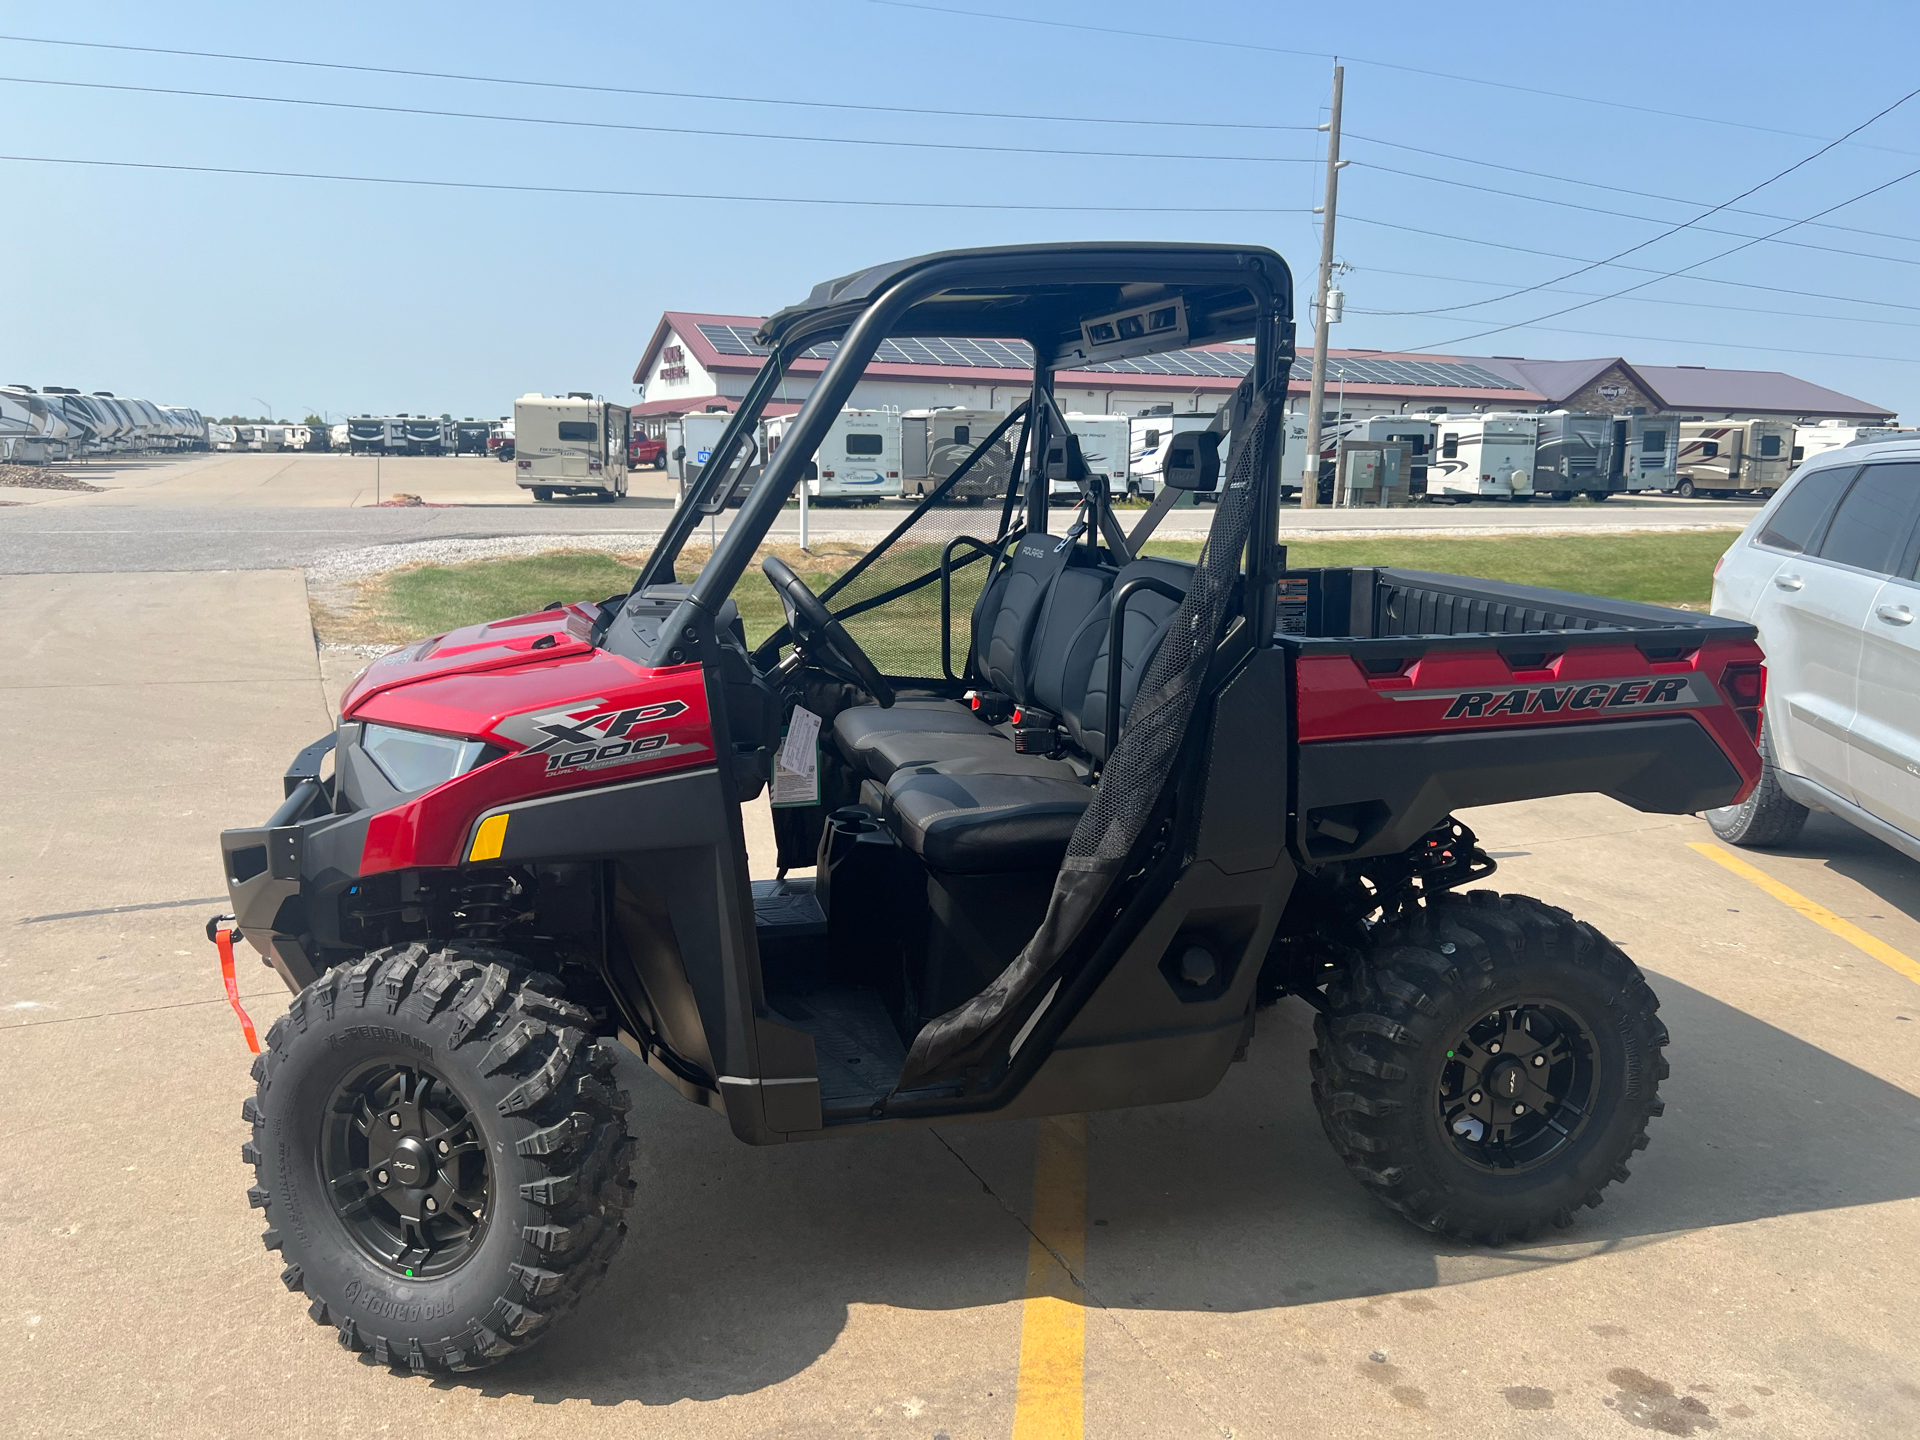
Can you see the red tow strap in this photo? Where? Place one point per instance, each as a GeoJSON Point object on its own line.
{"type": "Point", "coordinates": [223, 942]}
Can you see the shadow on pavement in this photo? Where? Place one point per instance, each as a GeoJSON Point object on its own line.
{"type": "Point", "coordinates": [1851, 852]}
{"type": "Point", "coordinates": [742, 1263]}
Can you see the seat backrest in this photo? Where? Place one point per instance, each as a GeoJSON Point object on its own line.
{"type": "Point", "coordinates": [1071, 624]}
{"type": "Point", "coordinates": [1147, 617]}
{"type": "Point", "coordinates": [1009, 614]}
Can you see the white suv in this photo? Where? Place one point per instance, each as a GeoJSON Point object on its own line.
{"type": "Point", "coordinates": [1826, 571]}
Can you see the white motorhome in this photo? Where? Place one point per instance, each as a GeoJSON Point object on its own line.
{"type": "Point", "coordinates": [1724, 457]}
{"type": "Point", "coordinates": [1483, 456]}
{"type": "Point", "coordinates": [859, 458]}
{"type": "Point", "coordinates": [570, 445]}
{"type": "Point", "coordinates": [1106, 442]}
{"type": "Point", "coordinates": [933, 443]}
{"type": "Point", "coordinates": [1812, 440]}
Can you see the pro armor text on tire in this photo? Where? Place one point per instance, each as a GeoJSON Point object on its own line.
{"type": "Point", "coordinates": [1768, 816]}
{"type": "Point", "coordinates": [1489, 1066]}
{"type": "Point", "coordinates": [439, 1146]}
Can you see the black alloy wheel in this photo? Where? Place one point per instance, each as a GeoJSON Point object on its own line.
{"type": "Point", "coordinates": [1517, 1086]}
{"type": "Point", "coordinates": [406, 1169]}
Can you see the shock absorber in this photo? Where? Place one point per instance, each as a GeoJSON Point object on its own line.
{"type": "Point", "coordinates": [481, 909]}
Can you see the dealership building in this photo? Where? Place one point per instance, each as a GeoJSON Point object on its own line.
{"type": "Point", "coordinates": [706, 362]}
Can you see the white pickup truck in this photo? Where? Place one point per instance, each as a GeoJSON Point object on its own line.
{"type": "Point", "coordinates": [1827, 573]}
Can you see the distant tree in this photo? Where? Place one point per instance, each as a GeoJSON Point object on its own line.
{"type": "Point", "coordinates": [316, 422]}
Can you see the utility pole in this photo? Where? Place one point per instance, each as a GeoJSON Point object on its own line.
{"type": "Point", "coordinates": [1310, 483]}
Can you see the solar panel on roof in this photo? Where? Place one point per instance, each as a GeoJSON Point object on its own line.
{"type": "Point", "coordinates": [1217, 364]}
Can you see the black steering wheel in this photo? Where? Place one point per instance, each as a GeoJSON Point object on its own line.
{"type": "Point", "coordinates": [820, 637]}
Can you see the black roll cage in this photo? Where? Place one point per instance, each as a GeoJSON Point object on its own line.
{"type": "Point", "coordinates": [1036, 293]}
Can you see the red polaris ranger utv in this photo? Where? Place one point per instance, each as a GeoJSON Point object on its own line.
{"type": "Point", "coordinates": [1074, 812]}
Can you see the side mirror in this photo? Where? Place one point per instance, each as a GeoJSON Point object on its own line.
{"type": "Point", "coordinates": [679, 452]}
{"type": "Point", "coordinates": [1193, 462]}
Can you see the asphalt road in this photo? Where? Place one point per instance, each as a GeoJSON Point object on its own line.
{"type": "Point", "coordinates": [254, 511]}
{"type": "Point", "coordinates": [1755, 1277]}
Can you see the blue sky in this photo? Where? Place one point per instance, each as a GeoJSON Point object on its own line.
{"type": "Point", "coordinates": [222, 291]}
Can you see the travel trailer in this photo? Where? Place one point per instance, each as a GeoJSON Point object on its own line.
{"type": "Point", "coordinates": [470, 436]}
{"type": "Point", "coordinates": [1483, 456]}
{"type": "Point", "coordinates": [427, 435]}
{"type": "Point", "coordinates": [223, 437]}
{"type": "Point", "coordinates": [1570, 456]}
{"type": "Point", "coordinates": [690, 440]}
{"type": "Point", "coordinates": [376, 435]}
{"type": "Point", "coordinates": [1643, 451]}
{"type": "Point", "coordinates": [570, 445]}
{"type": "Point", "coordinates": [934, 442]}
{"type": "Point", "coordinates": [338, 437]}
{"type": "Point", "coordinates": [1105, 443]}
{"type": "Point", "coordinates": [1812, 440]}
{"type": "Point", "coordinates": [859, 458]}
{"type": "Point", "coordinates": [1725, 457]}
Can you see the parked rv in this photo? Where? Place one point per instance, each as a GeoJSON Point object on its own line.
{"type": "Point", "coordinates": [1812, 440]}
{"type": "Point", "coordinates": [858, 459]}
{"type": "Point", "coordinates": [1105, 441]}
{"type": "Point", "coordinates": [1570, 456]}
{"type": "Point", "coordinates": [1726, 457]}
{"type": "Point", "coordinates": [223, 437]}
{"type": "Point", "coordinates": [376, 435]}
{"type": "Point", "coordinates": [470, 436]}
{"type": "Point", "coordinates": [427, 435]}
{"type": "Point", "coordinates": [934, 442]}
{"type": "Point", "coordinates": [689, 440]}
{"type": "Point", "coordinates": [1484, 456]}
{"type": "Point", "coordinates": [570, 445]}
{"type": "Point", "coordinates": [1643, 452]}
{"type": "Point", "coordinates": [339, 436]}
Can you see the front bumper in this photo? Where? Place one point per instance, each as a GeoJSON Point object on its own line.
{"type": "Point", "coordinates": [264, 866]}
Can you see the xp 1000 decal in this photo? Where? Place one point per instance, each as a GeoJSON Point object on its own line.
{"type": "Point", "coordinates": [596, 737]}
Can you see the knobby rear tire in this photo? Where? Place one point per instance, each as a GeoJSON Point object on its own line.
{"type": "Point", "coordinates": [542, 1094]}
{"type": "Point", "coordinates": [1381, 1051]}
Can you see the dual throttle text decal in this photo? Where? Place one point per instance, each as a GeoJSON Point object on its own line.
{"type": "Point", "coordinates": [1664, 692]}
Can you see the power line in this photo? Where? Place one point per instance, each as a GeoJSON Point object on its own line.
{"type": "Point", "coordinates": [648, 194]}
{"type": "Point", "coordinates": [1689, 224]}
{"type": "Point", "coordinates": [1733, 250]}
{"type": "Point", "coordinates": [1623, 215]}
{"type": "Point", "coordinates": [1618, 189]}
{"type": "Point", "coordinates": [647, 129]}
{"type": "Point", "coordinates": [1642, 269]}
{"type": "Point", "coordinates": [1349, 59]}
{"type": "Point", "coordinates": [1665, 300]}
{"type": "Point", "coordinates": [649, 94]}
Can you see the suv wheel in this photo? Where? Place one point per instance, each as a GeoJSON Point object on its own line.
{"type": "Point", "coordinates": [541, 492]}
{"type": "Point", "coordinates": [439, 1147]}
{"type": "Point", "coordinates": [1769, 816]}
{"type": "Point", "coordinates": [1489, 1067]}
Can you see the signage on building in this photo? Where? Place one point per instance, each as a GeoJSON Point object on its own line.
{"type": "Point", "coordinates": [1613, 392]}
{"type": "Point", "coordinates": [673, 354]}
{"type": "Point", "coordinates": [673, 372]}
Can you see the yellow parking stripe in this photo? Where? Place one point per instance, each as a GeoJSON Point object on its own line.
{"type": "Point", "coordinates": [489, 839]}
{"type": "Point", "coordinates": [1819, 914]}
{"type": "Point", "coordinates": [1053, 1323]}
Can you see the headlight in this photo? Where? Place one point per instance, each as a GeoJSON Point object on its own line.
{"type": "Point", "coordinates": [414, 760]}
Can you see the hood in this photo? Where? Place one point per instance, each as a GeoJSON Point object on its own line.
{"type": "Point", "coordinates": [474, 650]}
